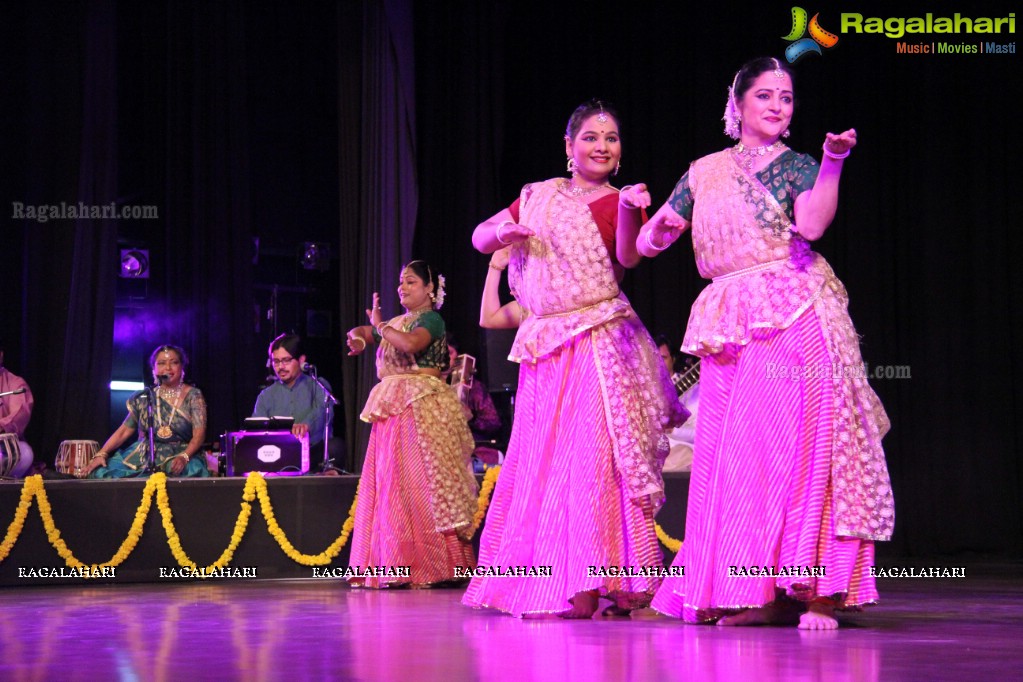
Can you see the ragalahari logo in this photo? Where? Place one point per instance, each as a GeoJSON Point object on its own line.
{"type": "Point", "coordinates": [801, 46]}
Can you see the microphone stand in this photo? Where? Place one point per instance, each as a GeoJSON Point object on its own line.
{"type": "Point", "coordinates": [328, 399]}
{"type": "Point", "coordinates": [151, 460]}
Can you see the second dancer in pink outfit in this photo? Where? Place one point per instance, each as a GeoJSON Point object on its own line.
{"type": "Point", "coordinates": [582, 477]}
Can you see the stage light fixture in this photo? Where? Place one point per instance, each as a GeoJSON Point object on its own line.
{"type": "Point", "coordinates": [135, 263]}
{"type": "Point", "coordinates": [126, 386]}
{"type": "Point", "coordinates": [315, 256]}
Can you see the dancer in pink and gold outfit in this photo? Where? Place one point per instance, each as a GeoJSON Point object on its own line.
{"type": "Point", "coordinates": [789, 484]}
{"type": "Point", "coordinates": [582, 476]}
{"type": "Point", "coordinates": [417, 496]}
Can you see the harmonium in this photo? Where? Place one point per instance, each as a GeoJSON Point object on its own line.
{"type": "Point", "coordinates": [267, 447]}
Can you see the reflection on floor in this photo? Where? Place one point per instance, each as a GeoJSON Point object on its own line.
{"type": "Point", "coordinates": [925, 629]}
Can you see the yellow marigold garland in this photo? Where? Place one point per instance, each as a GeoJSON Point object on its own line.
{"type": "Point", "coordinates": [174, 541]}
{"type": "Point", "coordinates": [669, 542]}
{"type": "Point", "coordinates": [323, 558]}
{"type": "Point", "coordinates": [33, 488]}
{"type": "Point", "coordinates": [486, 489]}
{"type": "Point", "coordinates": [53, 534]}
{"type": "Point", "coordinates": [255, 487]}
{"type": "Point", "coordinates": [14, 530]}
{"type": "Point", "coordinates": [137, 524]}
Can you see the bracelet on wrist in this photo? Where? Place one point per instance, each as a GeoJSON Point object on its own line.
{"type": "Point", "coordinates": [381, 327]}
{"type": "Point", "coordinates": [650, 242]}
{"type": "Point", "coordinates": [497, 232]}
{"type": "Point", "coordinates": [832, 155]}
{"type": "Point", "coordinates": [494, 267]}
{"type": "Point", "coordinates": [621, 199]}
{"type": "Point", "coordinates": [360, 340]}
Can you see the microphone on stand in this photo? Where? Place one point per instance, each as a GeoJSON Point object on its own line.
{"type": "Point", "coordinates": [162, 378]}
{"type": "Point", "coordinates": [308, 368]}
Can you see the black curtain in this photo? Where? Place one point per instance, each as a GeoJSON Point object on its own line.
{"type": "Point", "coordinates": [207, 233]}
{"type": "Point", "coordinates": [378, 184]}
{"type": "Point", "coordinates": [62, 145]}
{"type": "Point", "coordinates": [460, 94]}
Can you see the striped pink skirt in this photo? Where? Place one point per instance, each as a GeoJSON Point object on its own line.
{"type": "Point", "coordinates": [560, 503]}
{"type": "Point", "coordinates": [759, 496]}
{"type": "Point", "coordinates": [394, 522]}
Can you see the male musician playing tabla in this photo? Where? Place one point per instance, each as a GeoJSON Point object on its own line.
{"type": "Point", "coordinates": [15, 413]}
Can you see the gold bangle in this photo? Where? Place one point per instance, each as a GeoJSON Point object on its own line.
{"type": "Point", "coordinates": [497, 232]}
{"type": "Point", "coordinates": [360, 340]}
{"type": "Point", "coordinates": [494, 267]}
{"type": "Point", "coordinates": [653, 246]}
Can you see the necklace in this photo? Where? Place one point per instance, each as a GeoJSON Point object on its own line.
{"type": "Point", "coordinates": [747, 155]}
{"type": "Point", "coordinates": [405, 321]}
{"type": "Point", "coordinates": [171, 393]}
{"type": "Point", "coordinates": [569, 188]}
{"type": "Point", "coordinates": [168, 394]}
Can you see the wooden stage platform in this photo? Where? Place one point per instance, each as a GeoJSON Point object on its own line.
{"type": "Point", "coordinates": [94, 517]}
{"type": "Point", "coordinates": [932, 629]}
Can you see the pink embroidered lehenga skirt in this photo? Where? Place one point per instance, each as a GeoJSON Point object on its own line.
{"type": "Point", "coordinates": [759, 496]}
{"type": "Point", "coordinates": [416, 494]}
{"type": "Point", "coordinates": [560, 501]}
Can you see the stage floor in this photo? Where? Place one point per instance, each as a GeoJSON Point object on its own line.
{"type": "Point", "coordinates": [924, 629]}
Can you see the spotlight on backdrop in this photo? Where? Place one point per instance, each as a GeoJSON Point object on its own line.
{"type": "Point", "coordinates": [135, 263]}
{"type": "Point", "coordinates": [315, 256]}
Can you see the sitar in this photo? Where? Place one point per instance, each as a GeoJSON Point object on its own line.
{"type": "Point", "coordinates": [685, 380]}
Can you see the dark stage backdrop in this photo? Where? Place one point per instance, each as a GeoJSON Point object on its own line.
{"type": "Point", "coordinates": [388, 130]}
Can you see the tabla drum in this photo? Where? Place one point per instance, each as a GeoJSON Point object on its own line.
{"type": "Point", "coordinates": [10, 453]}
{"type": "Point", "coordinates": [74, 455]}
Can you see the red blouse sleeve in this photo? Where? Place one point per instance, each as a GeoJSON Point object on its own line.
{"type": "Point", "coordinates": [514, 209]}
{"type": "Point", "coordinates": [605, 214]}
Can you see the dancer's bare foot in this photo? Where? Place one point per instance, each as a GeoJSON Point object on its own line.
{"type": "Point", "coordinates": [775, 613]}
{"type": "Point", "coordinates": [818, 617]}
{"type": "Point", "coordinates": [758, 616]}
{"type": "Point", "coordinates": [584, 605]}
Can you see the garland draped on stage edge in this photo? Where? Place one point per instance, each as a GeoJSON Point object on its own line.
{"type": "Point", "coordinates": [255, 487]}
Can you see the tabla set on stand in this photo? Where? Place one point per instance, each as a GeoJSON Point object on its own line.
{"type": "Point", "coordinates": [74, 455]}
{"type": "Point", "coordinates": [15, 456]}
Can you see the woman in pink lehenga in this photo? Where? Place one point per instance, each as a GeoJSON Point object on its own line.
{"type": "Point", "coordinates": [417, 496]}
{"type": "Point", "coordinates": [789, 478]}
{"type": "Point", "coordinates": [582, 477]}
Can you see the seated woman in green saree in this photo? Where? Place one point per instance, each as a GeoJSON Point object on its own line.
{"type": "Point", "coordinates": [179, 425]}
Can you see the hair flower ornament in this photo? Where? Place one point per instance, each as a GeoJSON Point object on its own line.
{"type": "Point", "coordinates": [438, 296]}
